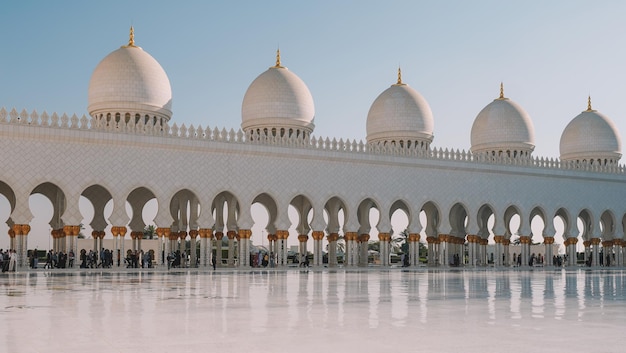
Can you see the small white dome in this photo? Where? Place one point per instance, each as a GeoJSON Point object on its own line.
{"type": "Point", "coordinates": [591, 136]}
{"type": "Point", "coordinates": [130, 81]}
{"type": "Point", "coordinates": [278, 99]}
{"type": "Point", "coordinates": [503, 127]}
{"type": "Point", "coordinates": [400, 115]}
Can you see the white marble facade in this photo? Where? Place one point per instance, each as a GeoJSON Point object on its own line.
{"type": "Point", "coordinates": [130, 151]}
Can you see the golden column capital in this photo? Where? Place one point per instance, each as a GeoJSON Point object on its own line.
{"type": "Point", "coordinates": [205, 233]}
{"type": "Point", "coordinates": [483, 241]}
{"type": "Point", "coordinates": [231, 234]}
{"type": "Point", "coordinates": [506, 242]}
{"type": "Point", "coordinates": [282, 234]}
{"type": "Point", "coordinates": [11, 233]}
{"type": "Point", "coordinates": [443, 237]}
{"type": "Point", "coordinates": [245, 233]}
{"type": "Point", "coordinates": [414, 237]}
{"type": "Point", "coordinates": [333, 237]}
{"type": "Point", "coordinates": [498, 238]}
{"type": "Point", "coordinates": [219, 235]}
{"type": "Point", "coordinates": [302, 238]}
{"type": "Point", "coordinates": [524, 239]}
{"type": "Point", "coordinates": [363, 238]}
{"type": "Point", "coordinates": [351, 236]}
{"type": "Point", "coordinates": [548, 240]}
{"type": "Point", "coordinates": [122, 231]}
{"type": "Point", "coordinates": [193, 233]}
{"type": "Point", "coordinates": [317, 235]}
{"type": "Point", "coordinates": [160, 231]}
{"type": "Point", "coordinates": [384, 236]}
{"type": "Point", "coordinates": [595, 241]}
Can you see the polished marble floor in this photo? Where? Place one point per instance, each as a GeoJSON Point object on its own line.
{"type": "Point", "coordinates": [314, 311]}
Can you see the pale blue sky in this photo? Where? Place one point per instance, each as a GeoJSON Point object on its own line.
{"type": "Point", "coordinates": [549, 54]}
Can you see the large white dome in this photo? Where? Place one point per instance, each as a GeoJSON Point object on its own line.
{"type": "Point", "coordinates": [400, 115]}
{"type": "Point", "coordinates": [278, 99]}
{"type": "Point", "coordinates": [591, 136]}
{"type": "Point", "coordinates": [130, 82]}
{"type": "Point", "coordinates": [503, 128]}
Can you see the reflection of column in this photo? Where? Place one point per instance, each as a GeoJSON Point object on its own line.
{"type": "Point", "coordinates": [318, 236]}
{"type": "Point", "coordinates": [384, 239]}
{"type": "Point", "coordinates": [414, 249]}
{"type": "Point", "coordinates": [332, 249]}
{"type": "Point", "coordinates": [193, 234]}
{"type": "Point", "coordinates": [547, 242]}
{"type": "Point", "coordinates": [218, 248]}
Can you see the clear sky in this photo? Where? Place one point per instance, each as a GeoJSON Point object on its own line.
{"type": "Point", "coordinates": [549, 54]}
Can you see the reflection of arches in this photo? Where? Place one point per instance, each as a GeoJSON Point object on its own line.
{"type": "Point", "coordinates": [57, 198]}
{"type": "Point", "coordinates": [99, 197]}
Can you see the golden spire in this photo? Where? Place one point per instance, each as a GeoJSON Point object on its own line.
{"type": "Point", "coordinates": [278, 59]}
{"type": "Point", "coordinates": [501, 91]}
{"type": "Point", "coordinates": [399, 83]}
{"type": "Point", "coordinates": [589, 109]}
{"type": "Point", "coordinates": [131, 39]}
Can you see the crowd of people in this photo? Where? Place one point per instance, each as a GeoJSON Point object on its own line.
{"type": "Point", "coordinates": [8, 260]}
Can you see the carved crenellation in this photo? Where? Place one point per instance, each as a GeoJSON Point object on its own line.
{"type": "Point", "coordinates": [295, 141]}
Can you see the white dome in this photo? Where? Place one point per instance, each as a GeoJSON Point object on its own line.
{"type": "Point", "coordinates": [503, 127]}
{"type": "Point", "coordinates": [278, 99]}
{"type": "Point", "coordinates": [400, 113]}
{"type": "Point", "coordinates": [591, 136]}
{"type": "Point", "coordinates": [130, 81]}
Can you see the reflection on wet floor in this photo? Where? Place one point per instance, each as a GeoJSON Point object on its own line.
{"type": "Point", "coordinates": [188, 310]}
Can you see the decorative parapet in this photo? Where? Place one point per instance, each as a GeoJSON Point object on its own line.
{"type": "Point", "coordinates": [310, 142]}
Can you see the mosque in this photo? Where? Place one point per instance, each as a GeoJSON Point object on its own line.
{"type": "Point", "coordinates": [205, 180]}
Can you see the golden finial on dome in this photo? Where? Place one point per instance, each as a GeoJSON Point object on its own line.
{"type": "Point", "coordinates": [589, 109]}
{"type": "Point", "coordinates": [399, 83]}
{"type": "Point", "coordinates": [131, 39]}
{"type": "Point", "coordinates": [278, 59]}
{"type": "Point", "coordinates": [501, 91]}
